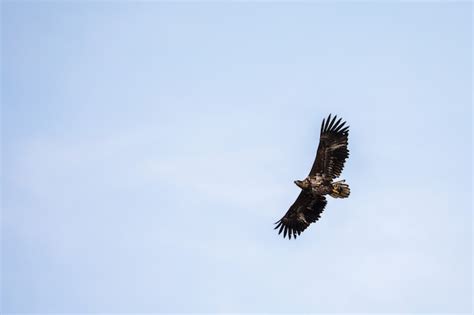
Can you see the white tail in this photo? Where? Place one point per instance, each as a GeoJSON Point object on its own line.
{"type": "Point", "coordinates": [340, 189]}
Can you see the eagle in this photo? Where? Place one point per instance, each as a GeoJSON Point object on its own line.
{"type": "Point", "coordinates": [330, 158]}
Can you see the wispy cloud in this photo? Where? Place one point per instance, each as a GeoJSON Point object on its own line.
{"type": "Point", "coordinates": [145, 163]}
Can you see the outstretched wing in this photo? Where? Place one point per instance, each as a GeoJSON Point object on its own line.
{"type": "Point", "coordinates": [304, 211]}
{"type": "Point", "coordinates": [332, 149]}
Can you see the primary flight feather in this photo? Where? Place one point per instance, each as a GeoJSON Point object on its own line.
{"type": "Point", "coordinates": [330, 158]}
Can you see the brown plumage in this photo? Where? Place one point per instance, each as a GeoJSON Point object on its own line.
{"type": "Point", "coordinates": [330, 158]}
{"type": "Point", "coordinates": [332, 150]}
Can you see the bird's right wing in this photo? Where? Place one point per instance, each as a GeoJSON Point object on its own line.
{"type": "Point", "coordinates": [304, 211]}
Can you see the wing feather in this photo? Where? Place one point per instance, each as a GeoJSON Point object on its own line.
{"type": "Point", "coordinates": [304, 211]}
{"type": "Point", "coordinates": [332, 150]}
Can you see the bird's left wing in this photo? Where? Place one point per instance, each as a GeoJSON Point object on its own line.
{"type": "Point", "coordinates": [304, 211]}
{"type": "Point", "coordinates": [332, 150]}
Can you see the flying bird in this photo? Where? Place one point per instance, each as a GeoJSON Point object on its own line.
{"type": "Point", "coordinates": [330, 158]}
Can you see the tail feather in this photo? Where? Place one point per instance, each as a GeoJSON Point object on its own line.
{"type": "Point", "coordinates": [340, 190]}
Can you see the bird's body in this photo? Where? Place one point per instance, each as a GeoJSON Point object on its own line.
{"type": "Point", "coordinates": [331, 155]}
{"type": "Point", "coordinates": [318, 185]}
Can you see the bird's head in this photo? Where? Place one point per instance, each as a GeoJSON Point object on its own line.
{"type": "Point", "coordinates": [303, 184]}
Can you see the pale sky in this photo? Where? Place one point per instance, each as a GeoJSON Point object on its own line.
{"type": "Point", "coordinates": [148, 147]}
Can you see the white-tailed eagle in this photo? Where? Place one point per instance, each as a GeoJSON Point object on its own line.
{"type": "Point", "coordinates": [330, 158]}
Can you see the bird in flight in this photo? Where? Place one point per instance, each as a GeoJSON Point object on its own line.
{"type": "Point", "coordinates": [330, 158]}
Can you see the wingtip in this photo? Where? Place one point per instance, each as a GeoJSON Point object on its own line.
{"type": "Point", "coordinates": [278, 225]}
{"type": "Point", "coordinates": [326, 125]}
{"type": "Point", "coordinates": [332, 124]}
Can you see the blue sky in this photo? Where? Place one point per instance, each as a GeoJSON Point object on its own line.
{"type": "Point", "coordinates": [147, 148]}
